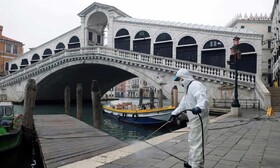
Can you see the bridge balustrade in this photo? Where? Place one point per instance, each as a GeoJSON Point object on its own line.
{"type": "Point", "coordinates": [246, 79]}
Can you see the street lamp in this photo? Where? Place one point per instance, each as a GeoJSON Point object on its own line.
{"type": "Point", "coordinates": [235, 55]}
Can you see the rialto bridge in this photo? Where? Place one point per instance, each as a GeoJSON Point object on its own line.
{"type": "Point", "coordinates": [111, 47]}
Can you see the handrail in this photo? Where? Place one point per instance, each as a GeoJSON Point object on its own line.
{"type": "Point", "coordinates": [245, 78]}
{"type": "Point", "coordinates": [244, 103]}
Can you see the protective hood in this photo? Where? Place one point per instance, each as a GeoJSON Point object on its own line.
{"type": "Point", "coordinates": [185, 74]}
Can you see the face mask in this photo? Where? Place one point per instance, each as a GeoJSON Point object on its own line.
{"type": "Point", "coordinates": [181, 82]}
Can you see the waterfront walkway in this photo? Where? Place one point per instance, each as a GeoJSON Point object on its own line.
{"type": "Point", "coordinates": [249, 141]}
{"type": "Point", "coordinates": [64, 139]}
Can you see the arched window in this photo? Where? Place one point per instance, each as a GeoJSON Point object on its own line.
{"type": "Point", "coordinates": [47, 53]}
{"type": "Point", "coordinates": [122, 40]}
{"type": "Point", "coordinates": [59, 47]}
{"type": "Point", "coordinates": [35, 58]}
{"type": "Point", "coordinates": [74, 42]}
{"type": "Point", "coordinates": [14, 68]}
{"type": "Point", "coordinates": [163, 45]}
{"type": "Point", "coordinates": [248, 60]}
{"type": "Point", "coordinates": [24, 63]}
{"type": "Point", "coordinates": [213, 53]}
{"type": "Point", "coordinates": [142, 42]}
{"type": "Point", "coordinates": [187, 49]}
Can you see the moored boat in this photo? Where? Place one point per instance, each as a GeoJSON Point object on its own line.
{"type": "Point", "coordinates": [10, 133]}
{"type": "Point", "coordinates": [126, 112]}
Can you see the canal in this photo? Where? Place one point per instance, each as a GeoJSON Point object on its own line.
{"type": "Point", "coordinates": [123, 131]}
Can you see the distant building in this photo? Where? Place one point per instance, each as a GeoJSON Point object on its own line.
{"type": "Point", "coordinates": [9, 50]}
{"type": "Point", "coordinates": [120, 89]}
{"type": "Point", "coordinates": [263, 25]}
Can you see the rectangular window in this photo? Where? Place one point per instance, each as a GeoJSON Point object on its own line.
{"type": "Point", "coordinates": [98, 39]}
{"type": "Point", "coordinates": [8, 48]}
{"type": "Point", "coordinates": [15, 49]}
{"type": "Point", "coordinates": [242, 27]}
{"type": "Point", "coordinates": [90, 36]}
{"type": "Point", "coordinates": [268, 44]}
{"type": "Point", "coordinates": [269, 29]}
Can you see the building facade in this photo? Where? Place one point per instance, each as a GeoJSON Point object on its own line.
{"type": "Point", "coordinates": [263, 25]}
{"type": "Point", "coordinates": [275, 40]}
{"type": "Point", "coordinates": [9, 50]}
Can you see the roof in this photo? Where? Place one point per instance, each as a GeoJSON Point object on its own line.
{"type": "Point", "coordinates": [8, 39]}
{"type": "Point", "coordinates": [104, 6]}
{"type": "Point", "coordinates": [6, 104]}
{"type": "Point", "coordinates": [186, 25]}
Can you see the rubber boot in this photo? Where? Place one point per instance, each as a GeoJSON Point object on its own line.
{"type": "Point", "coordinates": [186, 165]}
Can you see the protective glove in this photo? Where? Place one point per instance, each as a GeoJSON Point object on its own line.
{"type": "Point", "coordinates": [171, 118]}
{"type": "Point", "coordinates": [196, 110]}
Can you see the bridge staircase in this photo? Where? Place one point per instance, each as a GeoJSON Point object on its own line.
{"type": "Point", "coordinates": [275, 98]}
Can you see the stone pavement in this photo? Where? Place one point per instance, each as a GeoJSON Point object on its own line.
{"type": "Point", "coordinates": [249, 141]}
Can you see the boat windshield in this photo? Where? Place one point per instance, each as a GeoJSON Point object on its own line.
{"type": "Point", "coordinates": [9, 111]}
{"type": "Point", "coordinates": [1, 112]}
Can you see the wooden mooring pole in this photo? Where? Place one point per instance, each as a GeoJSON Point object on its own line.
{"type": "Point", "coordinates": [141, 92]}
{"type": "Point", "coordinates": [152, 98]}
{"type": "Point", "coordinates": [96, 104]}
{"type": "Point", "coordinates": [160, 98]}
{"type": "Point", "coordinates": [67, 100]}
{"type": "Point", "coordinates": [175, 96]}
{"type": "Point", "coordinates": [79, 101]}
{"type": "Point", "coordinates": [29, 106]}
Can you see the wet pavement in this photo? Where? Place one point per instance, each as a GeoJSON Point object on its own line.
{"type": "Point", "coordinates": [250, 141]}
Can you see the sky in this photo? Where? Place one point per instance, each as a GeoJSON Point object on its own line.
{"type": "Point", "coordinates": [34, 22]}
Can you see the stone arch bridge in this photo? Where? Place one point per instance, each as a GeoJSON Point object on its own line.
{"type": "Point", "coordinates": [112, 66]}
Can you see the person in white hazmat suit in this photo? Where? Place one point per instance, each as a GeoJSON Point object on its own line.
{"type": "Point", "coordinates": [195, 99]}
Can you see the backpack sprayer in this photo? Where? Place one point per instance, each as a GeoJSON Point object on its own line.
{"type": "Point", "coordinates": [167, 122]}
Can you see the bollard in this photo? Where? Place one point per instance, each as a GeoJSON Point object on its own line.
{"type": "Point", "coordinates": [79, 101]}
{"type": "Point", "coordinates": [96, 104]}
{"type": "Point", "coordinates": [160, 98]}
{"type": "Point", "coordinates": [67, 100]}
{"type": "Point", "coordinates": [29, 106]}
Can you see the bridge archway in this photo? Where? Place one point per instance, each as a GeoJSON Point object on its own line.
{"type": "Point", "coordinates": [122, 40]}
{"type": "Point", "coordinates": [187, 49]}
{"type": "Point", "coordinates": [213, 53]}
{"type": "Point", "coordinates": [248, 60]}
{"type": "Point", "coordinates": [96, 27]}
{"type": "Point", "coordinates": [163, 45]}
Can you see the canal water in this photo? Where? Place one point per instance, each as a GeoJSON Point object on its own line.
{"type": "Point", "coordinates": [126, 132]}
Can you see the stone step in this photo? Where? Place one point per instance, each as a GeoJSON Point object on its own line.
{"type": "Point", "coordinates": [276, 109]}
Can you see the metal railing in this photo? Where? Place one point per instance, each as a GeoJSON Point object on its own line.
{"type": "Point", "coordinates": [244, 103]}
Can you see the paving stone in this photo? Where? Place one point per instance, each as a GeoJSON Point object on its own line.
{"type": "Point", "coordinates": [234, 155]}
{"type": "Point", "coordinates": [220, 151]}
{"type": "Point", "coordinates": [210, 163]}
{"type": "Point", "coordinates": [249, 164]}
{"type": "Point", "coordinates": [228, 163]}
{"type": "Point", "coordinates": [213, 157]}
{"type": "Point", "coordinates": [111, 166]}
{"type": "Point", "coordinates": [169, 162]}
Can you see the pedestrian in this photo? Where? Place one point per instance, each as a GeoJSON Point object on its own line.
{"type": "Point", "coordinates": [195, 100]}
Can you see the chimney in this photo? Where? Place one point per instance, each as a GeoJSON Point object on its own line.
{"type": "Point", "coordinates": [1, 29]}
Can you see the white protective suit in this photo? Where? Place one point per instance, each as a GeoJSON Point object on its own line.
{"type": "Point", "coordinates": [196, 96]}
